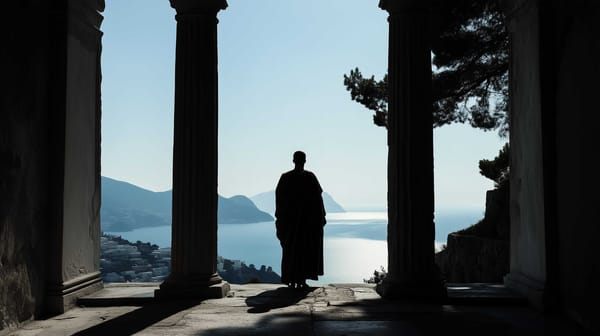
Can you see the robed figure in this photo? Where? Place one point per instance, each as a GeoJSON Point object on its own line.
{"type": "Point", "coordinates": [299, 220]}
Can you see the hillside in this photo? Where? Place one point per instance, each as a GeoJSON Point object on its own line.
{"type": "Point", "coordinates": [125, 261]}
{"type": "Point", "coordinates": [266, 202]}
{"type": "Point", "coordinates": [126, 207]}
{"type": "Point", "coordinates": [240, 209]}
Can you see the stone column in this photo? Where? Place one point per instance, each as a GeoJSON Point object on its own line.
{"type": "Point", "coordinates": [194, 225]}
{"type": "Point", "coordinates": [411, 267]}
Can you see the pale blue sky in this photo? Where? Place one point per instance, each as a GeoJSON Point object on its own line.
{"type": "Point", "coordinates": [281, 67]}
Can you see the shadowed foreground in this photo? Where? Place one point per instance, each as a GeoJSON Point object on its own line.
{"type": "Point", "coordinates": [268, 309]}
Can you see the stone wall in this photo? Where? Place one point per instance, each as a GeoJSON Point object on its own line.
{"type": "Point", "coordinates": [480, 253]}
{"type": "Point", "coordinates": [77, 235]}
{"type": "Point", "coordinates": [527, 208]}
{"type": "Point", "coordinates": [473, 259]}
{"type": "Point", "coordinates": [23, 217]}
{"type": "Point", "coordinates": [25, 164]}
{"type": "Point", "coordinates": [577, 50]}
{"type": "Point", "coordinates": [554, 87]}
{"type": "Point", "coordinates": [49, 156]}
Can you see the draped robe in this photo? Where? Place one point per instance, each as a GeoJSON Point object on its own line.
{"type": "Point", "coordinates": [300, 217]}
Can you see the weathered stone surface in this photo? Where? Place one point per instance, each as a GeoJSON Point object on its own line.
{"type": "Point", "coordinates": [43, 114]}
{"type": "Point", "coordinates": [411, 262]}
{"type": "Point", "coordinates": [474, 259]}
{"type": "Point", "coordinates": [480, 253]}
{"type": "Point", "coordinates": [25, 144]}
{"type": "Point", "coordinates": [195, 147]}
{"type": "Point", "coordinates": [268, 309]}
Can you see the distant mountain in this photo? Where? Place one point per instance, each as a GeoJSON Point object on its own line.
{"type": "Point", "coordinates": [266, 202]}
{"type": "Point", "coordinates": [240, 209]}
{"type": "Point", "coordinates": [126, 207]}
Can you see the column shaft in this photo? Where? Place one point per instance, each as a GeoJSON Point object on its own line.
{"type": "Point", "coordinates": [194, 225]}
{"type": "Point", "coordinates": [411, 231]}
{"type": "Point", "coordinates": [194, 248]}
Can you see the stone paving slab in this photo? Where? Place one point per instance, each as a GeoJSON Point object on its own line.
{"type": "Point", "coordinates": [483, 293]}
{"type": "Point", "coordinates": [270, 309]}
{"type": "Point", "coordinates": [121, 294]}
{"type": "Point", "coordinates": [71, 322]}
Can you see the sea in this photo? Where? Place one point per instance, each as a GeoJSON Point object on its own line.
{"type": "Point", "coordinates": [354, 243]}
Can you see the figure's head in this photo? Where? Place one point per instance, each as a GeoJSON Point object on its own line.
{"type": "Point", "coordinates": [299, 158]}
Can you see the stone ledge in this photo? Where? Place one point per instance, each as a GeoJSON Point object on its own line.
{"type": "Point", "coordinates": [121, 294]}
{"type": "Point", "coordinates": [215, 291]}
{"type": "Point", "coordinates": [64, 296]}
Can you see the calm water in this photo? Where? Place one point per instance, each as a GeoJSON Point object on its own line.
{"type": "Point", "coordinates": [354, 243]}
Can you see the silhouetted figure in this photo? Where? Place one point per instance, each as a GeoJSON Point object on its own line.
{"type": "Point", "coordinates": [300, 217]}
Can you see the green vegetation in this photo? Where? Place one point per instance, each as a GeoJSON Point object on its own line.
{"type": "Point", "coordinates": [496, 223]}
{"type": "Point", "coordinates": [497, 169]}
{"type": "Point", "coordinates": [470, 69]}
{"type": "Point", "coordinates": [378, 276]}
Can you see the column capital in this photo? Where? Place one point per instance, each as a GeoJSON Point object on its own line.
{"type": "Point", "coordinates": [198, 6]}
{"type": "Point", "coordinates": [393, 6]}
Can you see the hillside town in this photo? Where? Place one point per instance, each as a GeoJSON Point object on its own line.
{"type": "Point", "coordinates": [125, 261]}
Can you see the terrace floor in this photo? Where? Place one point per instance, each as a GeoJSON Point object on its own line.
{"type": "Point", "coordinates": [271, 309]}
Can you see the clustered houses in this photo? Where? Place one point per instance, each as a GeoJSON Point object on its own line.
{"type": "Point", "coordinates": [123, 261]}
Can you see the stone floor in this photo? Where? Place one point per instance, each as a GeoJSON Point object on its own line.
{"type": "Point", "coordinates": [333, 310]}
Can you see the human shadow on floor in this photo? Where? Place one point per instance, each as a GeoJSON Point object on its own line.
{"type": "Point", "coordinates": [278, 298]}
{"type": "Point", "coordinates": [139, 319]}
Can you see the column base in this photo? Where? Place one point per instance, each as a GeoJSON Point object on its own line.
{"type": "Point", "coordinates": [189, 288]}
{"type": "Point", "coordinates": [425, 289]}
{"type": "Point", "coordinates": [534, 290]}
{"type": "Point", "coordinates": [63, 296]}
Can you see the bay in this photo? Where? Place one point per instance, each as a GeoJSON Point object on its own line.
{"type": "Point", "coordinates": [354, 242]}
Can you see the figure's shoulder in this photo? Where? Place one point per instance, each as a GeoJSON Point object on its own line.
{"type": "Point", "coordinates": [286, 175]}
{"type": "Point", "coordinates": [311, 176]}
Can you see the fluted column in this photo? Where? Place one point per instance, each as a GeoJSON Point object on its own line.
{"type": "Point", "coordinates": [411, 233]}
{"type": "Point", "coordinates": [194, 224]}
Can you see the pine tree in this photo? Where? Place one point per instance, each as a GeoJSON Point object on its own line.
{"type": "Point", "coordinates": [469, 73]}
